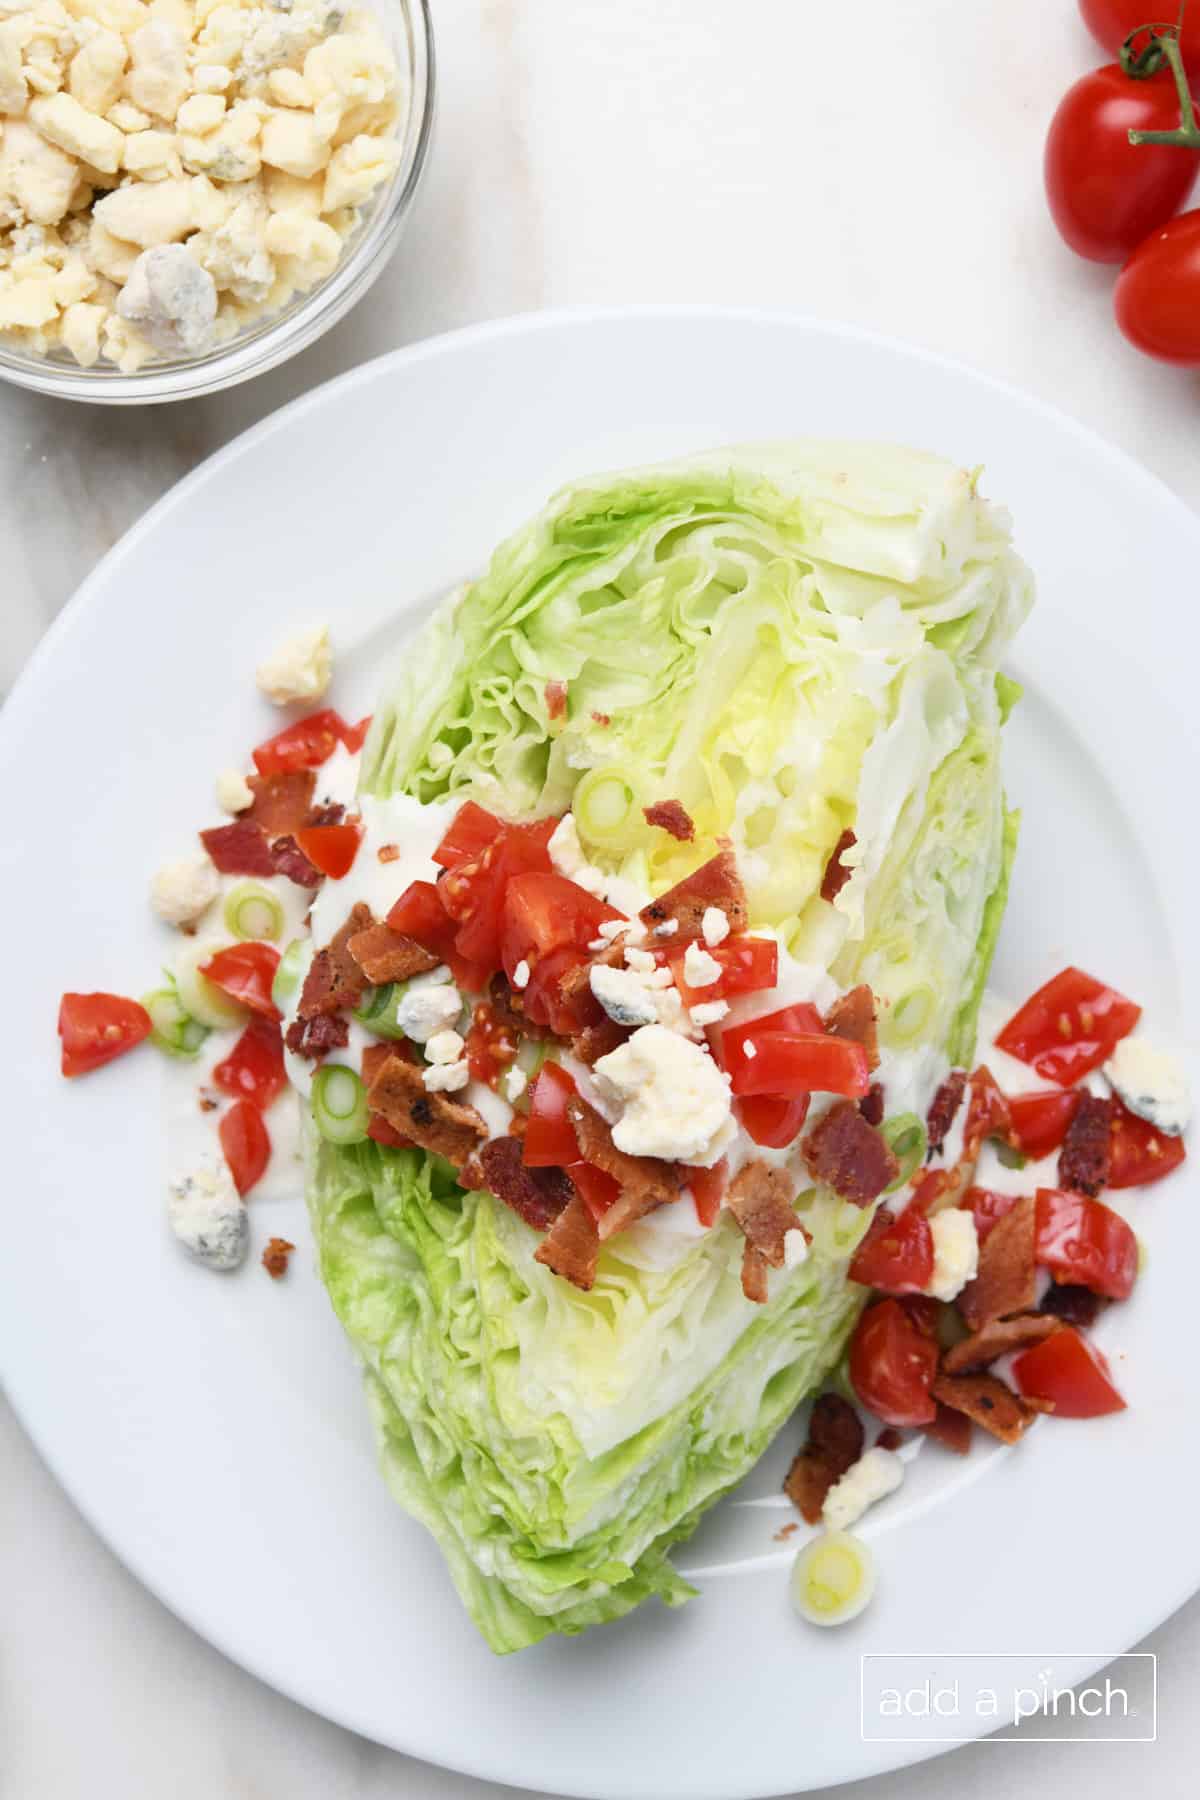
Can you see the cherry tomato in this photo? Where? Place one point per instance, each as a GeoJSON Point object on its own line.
{"type": "Point", "coordinates": [1084, 1242]}
{"type": "Point", "coordinates": [419, 914]}
{"type": "Point", "coordinates": [544, 912]}
{"type": "Point", "coordinates": [1140, 1154]}
{"type": "Point", "coordinates": [747, 964]}
{"type": "Point", "coordinates": [95, 1028]}
{"type": "Point", "coordinates": [1111, 21]}
{"type": "Point", "coordinates": [245, 972]}
{"type": "Point", "coordinates": [305, 745]}
{"type": "Point", "coordinates": [1039, 1121]}
{"type": "Point", "coordinates": [708, 1190]}
{"type": "Point", "coordinates": [1069, 1027]}
{"type": "Point", "coordinates": [794, 1062]}
{"type": "Point", "coordinates": [893, 1364]}
{"type": "Point", "coordinates": [896, 1256]}
{"type": "Point", "coordinates": [330, 848]}
{"type": "Point", "coordinates": [355, 736]}
{"type": "Point", "coordinates": [471, 830]}
{"type": "Point", "coordinates": [1157, 296]}
{"type": "Point", "coordinates": [246, 1143]}
{"type": "Point", "coordinates": [1068, 1370]}
{"type": "Point", "coordinates": [474, 893]}
{"type": "Point", "coordinates": [254, 1069]}
{"type": "Point", "coordinates": [1105, 193]}
{"type": "Point", "coordinates": [987, 1208]}
{"type": "Point", "coordinates": [550, 1140]}
{"type": "Point", "coordinates": [773, 1120]}
{"type": "Point", "coordinates": [732, 1053]}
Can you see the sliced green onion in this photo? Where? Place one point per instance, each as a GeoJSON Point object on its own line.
{"type": "Point", "coordinates": [339, 1104]}
{"type": "Point", "coordinates": [293, 965]}
{"type": "Point", "coordinates": [173, 1028]}
{"type": "Point", "coordinates": [254, 912]}
{"type": "Point", "coordinates": [605, 805]}
{"type": "Point", "coordinates": [377, 1009]}
{"type": "Point", "coordinates": [911, 1014]}
{"type": "Point", "coordinates": [908, 1141]}
{"type": "Point", "coordinates": [201, 998]}
{"type": "Point", "coordinates": [833, 1578]}
{"type": "Point", "coordinates": [1009, 1155]}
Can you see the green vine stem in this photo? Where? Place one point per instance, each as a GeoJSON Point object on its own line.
{"type": "Point", "coordinates": [1163, 47]}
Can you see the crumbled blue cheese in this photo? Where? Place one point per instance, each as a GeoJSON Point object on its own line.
{"type": "Point", "coordinates": [672, 1099]}
{"type": "Point", "coordinates": [444, 1047]}
{"type": "Point", "coordinates": [300, 669]}
{"type": "Point", "coordinates": [428, 1008]}
{"type": "Point", "coordinates": [874, 1476]}
{"type": "Point", "coordinates": [709, 1011]}
{"type": "Point", "coordinates": [624, 995]}
{"type": "Point", "coordinates": [1151, 1084]}
{"type": "Point", "coordinates": [182, 892]}
{"type": "Point", "coordinates": [714, 926]}
{"type": "Point", "coordinates": [446, 1077]}
{"type": "Point", "coordinates": [171, 300]}
{"type": "Point", "coordinates": [955, 1252]}
{"type": "Point", "coordinates": [700, 969]}
{"type": "Point", "coordinates": [234, 793]}
{"type": "Point", "coordinates": [208, 1217]}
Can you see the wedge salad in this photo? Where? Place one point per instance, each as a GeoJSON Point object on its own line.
{"type": "Point", "coordinates": [614, 992]}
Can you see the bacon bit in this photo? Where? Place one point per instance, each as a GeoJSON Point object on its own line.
{"type": "Point", "coordinates": [385, 955]}
{"type": "Point", "coordinates": [871, 1106]}
{"type": "Point", "coordinates": [388, 853]}
{"type": "Point", "coordinates": [556, 699]}
{"type": "Point", "coordinates": [852, 1016]}
{"type": "Point", "coordinates": [889, 1439]}
{"type": "Point", "coordinates": [924, 1311]}
{"type": "Point", "coordinates": [578, 979]}
{"type": "Point", "coordinates": [282, 801]}
{"type": "Point", "coordinates": [760, 1199]}
{"type": "Point", "coordinates": [315, 1038]}
{"type": "Point", "coordinates": [951, 1429]}
{"type": "Point", "coordinates": [598, 1040]}
{"type": "Point", "coordinates": [207, 1104]}
{"type": "Point", "coordinates": [536, 1195]}
{"type": "Point", "coordinates": [433, 1121]}
{"type": "Point", "coordinates": [573, 1246]}
{"type": "Point", "coordinates": [602, 718]}
{"type": "Point", "coordinates": [287, 858]}
{"type": "Point", "coordinates": [715, 883]}
{"type": "Point", "coordinates": [671, 816]}
{"type": "Point", "coordinates": [988, 1113]}
{"type": "Point", "coordinates": [507, 1007]}
{"type": "Point", "coordinates": [844, 1153]}
{"type": "Point", "coordinates": [785, 1532]}
{"type": "Point", "coordinates": [990, 1403]}
{"type": "Point", "coordinates": [1007, 1278]}
{"type": "Point", "coordinates": [373, 1059]}
{"type": "Point", "coordinates": [645, 1182]}
{"type": "Point", "coordinates": [275, 1257]}
{"type": "Point", "coordinates": [998, 1338]}
{"type": "Point", "coordinates": [1085, 1160]}
{"type": "Point", "coordinates": [836, 873]}
{"type": "Point", "coordinates": [834, 1444]}
{"type": "Point", "coordinates": [334, 979]}
{"type": "Point", "coordinates": [239, 849]}
{"type": "Point", "coordinates": [1073, 1304]}
{"type": "Point", "coordinates": [326, 815]}
{"type": "Point", "coordinates": [943, 1109]}
{"type": "Point", "coordinates": [754, 1274]}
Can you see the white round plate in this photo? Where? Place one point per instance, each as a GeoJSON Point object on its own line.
{"type": "Point", "coordinates": [212, 1430]}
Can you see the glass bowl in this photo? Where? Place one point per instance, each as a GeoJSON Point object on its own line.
{"type": "Point", "coordinates": [272, 340]}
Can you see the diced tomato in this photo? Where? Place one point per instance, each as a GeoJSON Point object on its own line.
{"type": "Point", "coordinates": [95, 1028]}
{"type": "Point", "coordinates": [305, 745]}
{"type": "Point", "coordinates": [1040, 1121]}
{"type": "Point", "coordinates": [896, 1256]}
{"type": "Point", "coordinates": [544, 913]}
{"type": "Point", "coordinates": [987, 1207]}
{"type": "Point", "coordinates": [1140, 1154]}
{"type": "Point", "coordinates": [893, 1364]}
{"type": "Point", "coordinates": [419, 914]}
{"type": "Point", "coordinates": [475, 893]}
{"type": "Point", "coordinates": [597, 1189]}
{"type": "Point", "coordinates": [491, 1045]}
{"type": "Point", "coordinates": [1069, 1027]}
{"type": "Point", "coordinates": [951, 1429]}
{"type": "Point", "coordinates": [772, 1120]}
{"type": "Point", "coordinates": [246, 1143]}
{"type": "Point", "coordinates": [1065, 1369]}
{"type": "Point", "coordinates": [245, 972]}
{"type": "Point", "coordinates": [988, 1112]}
{"type": "Point", "coordinates": [355, 736]}
{"type": "Point", "coordinates": [550, 1140]}
{"type": "Point", "coordinates": [254, 1069]}
{"type": "Point", "coordinates": [748, 964]}
{"type": "Point", "coordinates": [543, 999]}
{"type": "Point", "coordinates": [708, 1190]}
{"type": "Point", "coordinates": [794, 1062]}
{"type": "Point", "coordinates": [1085, 1242]}
{"type": "Point", "coordinates": [471, 831]}
{"type": "Point", "coordinates": [731, 1046]}
{"type": "Point", "coordinates": [330, 848]}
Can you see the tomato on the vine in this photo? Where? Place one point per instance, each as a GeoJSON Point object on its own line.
{"type": "Point", "coordinates": [1111, 21]}
{"type": "Point", "coordinates": [1157, 297]}
{"type": "Point", "coordinates": [1105, 193]}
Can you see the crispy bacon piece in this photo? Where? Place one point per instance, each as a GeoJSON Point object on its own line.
{"type": "Point", "coordinates": [385, 955]}
{"type": "Point", "coordinates": [1007, 1279]}
{"type": "Point", "coordinates": [715, 883]}
{"type": "Point", "coordinates": [836, 873]}
{"type": "Point", "coordinates": [590, 1045]}
{"type": "Point", "coordinates": [389, 853]}
{"type": "Point", "coordinates": [645, 1182]}
{"type": "Point", "coordinates": [760, 1199]}
{"type": "Point", "coordinates": [239, 849]}
{"type": "Point", "coordinates": [872, 1104]}
{"type": "Point", "coordinates": [1085, 1159]}
{"type": "Point", "coordinates": [334, 980]}
{"type": "Point", "coordinates": [275, 1257]}
{"type": "Point", "coordinates": [943, 1108]}
{"type": "Point", "coordinates": [852, 1016]}
{"type": "Point", "coordinates": [535, 1195]}
{"type": "Point", "coordinates": [315, 1038]}
{"type": "Point", "coordinates": [373, 1059]}
{"type": "Point", "coordinates": [834, 1444]}
{"type": "Point", "coordinates": [288, 859]}
{"type": "Point", "coordinates": [333, 815]}
{"type": "Point", "coordinates": [578, 979]}
{"type": "Point", "coordinates": [889, 1439]}
{"type": "Point", "coordinates": [988, 1112]}
{"type": "Point", "coordinates": [556, 699]}
{"type": "Point", "coordinates": [990, 1403]}
{"type": "Point", "coordinates": [754, 1275]}
{"type": "Point", "coordinates": [846, 1154]}
{"type": "Point", "coordinates": [998, 1338]}
{"type": "Point", "coordinates": [433, 1121]}
{"type": "Point", "coordinates": [573, 1246]}
{"type": "Point", "coordinates": [282, 802]}
{"type": "Point", "coordinates": [506, 1005]}
{"type": "Point", "coordinates": [671, 816]}
{"type": "Point", "coordinates": [1073, 1304]}
{"type": "Point", "coordinates": [951, 1429]}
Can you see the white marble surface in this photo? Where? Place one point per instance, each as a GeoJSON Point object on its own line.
{"type": "Point", "coordinates": [878, 164]}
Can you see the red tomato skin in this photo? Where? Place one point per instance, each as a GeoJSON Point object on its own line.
{"type": "Point", "coordinates": [544, 912]}
{"type": "Point", "coordinates": [896, 1256]}
{"type": "Point", "coordinates": [96, 1028]}
{"type": "Point", "coordinates": [987, 1208]}
{"type": "Point", "coordinates": [550, 1140]}
{"type": "Point", "coordinates": [596, 1189]}
{"type": "Point", "coordinates": [305, 745]}
{"type": "Point", "coordinates": [1157, 296]}
{"type": "Point", "coordinates": [1081, 1240]}
{"type": "Point", "coordinates": [893, 1365]}
{"type": "Point", "coordinates": [245, 972]}
{"type": "Point", "coordinates": [254, 1069]}
{"type": "Point", "coordinates": [246, 1143]}
{"type": "Point", "coordinates": [708, 1190]}
{"type": "Point", "coordinates": [330, 848]}
{"type": "Point", "coordinates": [773, 1120]}
{"type": "Point", "coordinates": [1040, 1121]}
{"type": "Point", "coordinates": [1068, 1370]}
{"type": "Point", "coordinates": [793, 1063]}
{"type": "Point", "coordinates": [1106, 194]}
{"type": "Point", "coordinates": [1052, 1034]}
{"type": "Point", "coordinates": [731, 1042]}
{"type": "Point", "coordinates": [988, 1112]}
{"type": "Point", "coordinates": [471, 830]}
{"type": "Point", "coordinates": [1111, 21]}
{"type": "Point", "coordinates": [355, 736]}
{"type": "Point", "coordinates": [1140, 1154]}
{"type": "Point", "coordinates": [748, 964]}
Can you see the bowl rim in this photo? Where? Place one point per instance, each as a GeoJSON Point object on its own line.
{"type": "Point", "coordinates": [285, 334]}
